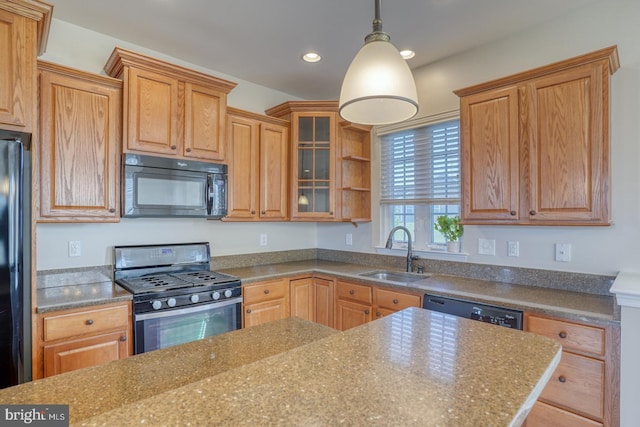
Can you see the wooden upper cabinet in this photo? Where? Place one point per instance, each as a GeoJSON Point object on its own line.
{"type": "Point", "coordinates": [535, 145]}
{"type": "Point", "coordinates": [258, 154]}
{"type": "Point", "coordinates": [79, 147]}
{"type": "Point", "coordinates": [170, 110]}
{"type": "Point", "coordinates": [17, 71]}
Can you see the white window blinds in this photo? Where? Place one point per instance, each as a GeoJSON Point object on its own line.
{"type": "Point", "coordinates": [421, 165]}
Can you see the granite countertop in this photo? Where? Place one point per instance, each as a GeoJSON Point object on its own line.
{"type": "Point", "coordinates": [414, 367]}
{"type": "Point", "coordinates": [599, 309]}
{"type": "Point", "coordinates": [58, 291]}
{"type": "Point", "coordinates": [99, 389]}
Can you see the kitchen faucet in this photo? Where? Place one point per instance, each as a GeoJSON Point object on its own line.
{"type": "Point", "coordinates": [409, 252]}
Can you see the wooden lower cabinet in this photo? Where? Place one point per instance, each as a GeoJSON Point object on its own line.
{"type": "Point", "coordinates": [584, 389]}
{"type": "Point", "coordinates": [354, 305]}
{"type": "Point", "coordinates": [82, 337]}
{"type": "Point", "coordinates": [265, 302]}
{"type": "Point", "coordinates": [389, 301]}
{"type": "Point", "coordinates": [312, 299]}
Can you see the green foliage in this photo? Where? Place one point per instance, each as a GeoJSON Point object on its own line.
{"type": "Point", "coordinates": [449, 227]}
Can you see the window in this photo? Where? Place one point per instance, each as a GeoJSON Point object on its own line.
{"type": "Point", "coordinates": [420, 180]}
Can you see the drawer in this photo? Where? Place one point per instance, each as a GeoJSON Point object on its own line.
{"type": "Point", "coordinates": [265, 291]}
{"type": "Point", "coordinates": [85, 322]}
{"type": "Point", "coordinates": [396, 300]}
{"type": "Point", "coordinates": [543, 415]}
{"type": "Point", "coordinates": [572, 336]}
{"type": "Point", "coordinates": [577, 384]}
{"type": "Point", "coordinates": [361, 293]}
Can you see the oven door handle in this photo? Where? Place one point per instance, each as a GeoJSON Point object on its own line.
{"type": "Point", "coordinates": [187, 310]}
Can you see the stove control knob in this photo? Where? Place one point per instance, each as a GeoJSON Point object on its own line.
{"type": "Point", "coordinates": [215, 295]}
{"type": "Point", "coordinates": [171, 302]}
{"type": "Point", "coordinates": [228, 293]}
{"type": "Point", "coordinates": [157, 305]}
{"type": "Point", "coordinates": [194, 298]}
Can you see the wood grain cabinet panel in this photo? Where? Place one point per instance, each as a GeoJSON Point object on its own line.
{"type": "Point", "coordinates": [82, 337]}
{"type": "Point", "coordinates": [584, 389]}
{"type": "Point", "coordinates": [354, 305]}
{"type": "Point", "coordinates": [312, 299]}
{"type": "Point", "coordinates": [389, 301]}
{"type": "Point", "coordinates": [17, 70]}
{"type": "Point", "coordinates": [265, 301]}
{"type": "Point", "coordinates": [258, 162]}
{"type": "Point", "coordinates": [535, 145]}
{"type": "Point", "coordinates": [79, 148]}
{"type": "Point", "coordinates": [170, 110]}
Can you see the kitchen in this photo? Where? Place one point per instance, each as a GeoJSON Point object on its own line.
{"type": "Point", "coordinates": [596, 250]}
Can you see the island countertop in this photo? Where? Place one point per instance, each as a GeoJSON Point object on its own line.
{"type": "Point", "coordinates": [414, 367]}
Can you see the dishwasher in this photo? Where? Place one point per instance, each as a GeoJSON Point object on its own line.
{"type": "Point", "coordinates": [506, 317]}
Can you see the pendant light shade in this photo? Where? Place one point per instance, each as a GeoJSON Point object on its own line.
{"type": "Point", "coordinates": [378, 87]}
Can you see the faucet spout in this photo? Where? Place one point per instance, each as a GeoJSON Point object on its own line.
{"type": "Point", "coordinates": [389, 245]}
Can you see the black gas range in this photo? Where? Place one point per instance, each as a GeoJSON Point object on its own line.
{"type": "Point", "coordinates": [176, 298]}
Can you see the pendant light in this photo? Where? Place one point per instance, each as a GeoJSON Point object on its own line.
{"type": "Point", "coordinates": [378, 87]}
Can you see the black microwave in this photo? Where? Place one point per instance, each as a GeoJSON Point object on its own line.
{"type": "Point", "coordinates": [162, 187]}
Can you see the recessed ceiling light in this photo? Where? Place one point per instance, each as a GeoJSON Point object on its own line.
{"type": "Point", "coordinates": [311, 57]}
{"type": "Point", "coordinates": [407, 54]}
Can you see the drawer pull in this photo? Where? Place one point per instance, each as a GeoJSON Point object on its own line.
{"type": "Point", "coordinates": [512, 213]}
{"type": "Point", "coordinates": [173, 147]}
{"type": "Point", "coordinates": [395, 301]}
{"type": "Point", "coordinates": [351, 292]}
{"type": "Point", "coordinates": [562, 379]}
{"type": "Point", "coordinates": [89, 322]}
{"type": "Point", "coordinates": [248, 311]}
{"type": "Point", "coordinates": [378, 314]}
{"type": "Point", "coordinates": [123, 338]}
{"type": "Point", "coordinates": [266, 291]}
{"type": "Point", "coordinates": [188, 150]}
{"type": "Point", "coordinates": [532, 212]}
{"type": "Point", "coordinates": [562, 334]}
{"type": "Point", "coordinates": [366, 311]}
{"type": "Point", "coordinates": [253, 212]}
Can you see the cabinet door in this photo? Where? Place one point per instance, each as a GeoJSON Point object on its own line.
{"type": "Point", "coordinates": [568, 149]}
{"type": "Point", "coordinates": [243, 168]}
{"type": "Point", "coordinates": [303, 298]}
{"type": "Point", "coordinates": [313, 166]}
{"type": "Point", "coordinates": [263, 312]}
{"type": "Point", "coordinates": [204, 115]}
{"type": "Point", "coordinates": [489, 150]}
{"type": "Point", "coordinates": [323, 293]}
{"type": "Point", "coordinates": [154, 123]}
{"type": "Point", "coordinates": [350, 314]}
{"type": "Point", "coordinates": [17, 71]}
{"type": "Point", "coordinates": [79, 153]}
{"type": "Point", "coordinates": [543, 415]}
{"type": "Point", "coordinates": [71, 355]}
{"type": "Point", "coordinates": [274, 159]}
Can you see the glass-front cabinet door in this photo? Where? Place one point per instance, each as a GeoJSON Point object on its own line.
{"type": "Point", "coordinates": [313, 172]}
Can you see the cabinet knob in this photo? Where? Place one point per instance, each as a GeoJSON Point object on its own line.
{"type": "Point", "coordinates": [562, 379]}
{"type": "Point", "coordinates": [123, 338]}
{"type": "Point", "coordinates": [351, 292]}
{"type": "Point", "coordinates": [188, 150]}
{"type": "Point", "coordinates": [253, 212]}
{"type": "Point", "coordinates": [395, 301]}
{"type": "Point", "coordinates": [266, 291]}
{"type": "Point", "coordinates": [378, 314]}
{"type": "Point", "coordinates": [263, 212]}
{"type": "Point", "coordinates": [112, 210]}
{"type": "Point", "coordinates": [366, 311]}
{"type": "Point", "coordinates": [89, 322]}
{"type": "Point", "coordinates": [513, 213]}
{"type": "Point", "coordinates": [173, 147]}
{"type": "Point", "coordinates": [532, 212]}
{"type": "Point", "coordinates": [562, 334]}
{"type": "Point", "coordinates": [331, 213]}
{"type": "Point", "coordinates": [248, 311]}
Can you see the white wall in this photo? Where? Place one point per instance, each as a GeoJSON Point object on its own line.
{"type": "Point", "coordinates": [601, 250]}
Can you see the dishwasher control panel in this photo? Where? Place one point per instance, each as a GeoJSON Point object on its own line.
{"type": "Point", "coordinates": [506, 317]}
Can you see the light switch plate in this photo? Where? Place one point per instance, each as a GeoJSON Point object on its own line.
{"type": "Point", "coordinates": [75, 248]}
{"type": "Point", "coordinates": [263, 239]}
{"type": "Point", "coordinates": [513, 248]}
{"type": "Point", "coordinates": [486, 247]}
{"type": "Point", "coordinates": [349, 239]}
{"type": "Point", "coordinates": [563, 252]}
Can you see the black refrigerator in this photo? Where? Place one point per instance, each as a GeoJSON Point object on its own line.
{"type": "Point", "coordinates": [15, 271]}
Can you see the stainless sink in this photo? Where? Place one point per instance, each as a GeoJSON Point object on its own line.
{"type": "Point", "coordinates": [394, 276]}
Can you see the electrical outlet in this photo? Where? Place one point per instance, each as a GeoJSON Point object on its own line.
{"type": "Point", "coordinates": [513, 248]}
{"type": "Point", "coordinates": [263, 239]}
{"type": "Point", "coordinates": [75, 249]}
{"type": "Point", "coordinates": [563, 252]}
{"type": "Point", "coordinates": [349, 239]}
{"type": "Point", "coordinates": [486, 247]}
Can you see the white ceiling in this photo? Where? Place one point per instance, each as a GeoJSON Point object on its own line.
{"type": "Point", "coordinates": [261, 41]}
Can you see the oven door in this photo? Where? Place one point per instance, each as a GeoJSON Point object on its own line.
{"type": "Point", "coordinates": [161, 329]}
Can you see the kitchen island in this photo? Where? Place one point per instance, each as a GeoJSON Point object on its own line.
{"type": "Point", "coordinates": [414, 367]}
